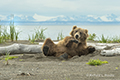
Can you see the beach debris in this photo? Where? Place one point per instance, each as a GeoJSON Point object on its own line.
{"type": "Point", "coordinates": [25, 74]}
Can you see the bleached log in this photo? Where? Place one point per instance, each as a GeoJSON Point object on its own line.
{"type": "Point", "coordinates": [33, 49]}
{"type": "Point", "coordinates": [113, 52]}
{"type": "Point", "coordinates": [102, 46]}
{"type": "Point", "coordinates": [20, 48]}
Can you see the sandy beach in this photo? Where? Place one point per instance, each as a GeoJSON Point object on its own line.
{"type": "Point", "coordinates": [40, 67]}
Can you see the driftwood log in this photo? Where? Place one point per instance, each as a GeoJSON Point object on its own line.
{"type": "Point", "coordinates": [20, 48]}
{"type": "Point", "coordinates": [112, 52]}
{"type": "Point", "coordinates": [34, 49]}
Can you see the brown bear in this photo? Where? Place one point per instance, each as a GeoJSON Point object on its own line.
{"type": "Point", "coordinates": [70, 45]}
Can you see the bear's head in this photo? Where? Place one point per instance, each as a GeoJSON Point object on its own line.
{"type": "Point", "coordinates": [79, 33]}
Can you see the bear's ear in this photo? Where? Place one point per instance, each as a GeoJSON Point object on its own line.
{"type": "Point", "coordinates": [86, 31]}
{"type": "Point", "coordinates": [71, 33]}
{"type": "Point", "coordinates": [74, 27]}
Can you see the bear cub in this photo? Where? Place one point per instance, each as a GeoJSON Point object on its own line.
{"type": "Point", "coordinates": [70, 46]}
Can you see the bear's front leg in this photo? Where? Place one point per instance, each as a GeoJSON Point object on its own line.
{"type": "Point", "coordinates": [70, 42]}
{"type": "Point", "coordinates": [91, 49]}
{"type": "Point", "coordinates": [86, 51]}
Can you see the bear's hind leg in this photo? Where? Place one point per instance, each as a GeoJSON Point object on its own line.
{"type": "Point", "coordinates": [47, 47]}
{"type": "Point", "coordinates": [64, 56]}
{"type": "Point", "coordinates": [45, 50]}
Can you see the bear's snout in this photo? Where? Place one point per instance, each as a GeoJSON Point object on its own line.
{"type": "Point", "coordinates": [76, 36]}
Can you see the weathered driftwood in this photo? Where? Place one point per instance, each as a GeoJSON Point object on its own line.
{"type": "Point", "coordinates": [113, 49]}
{"type": "Point", "coordinates": [33, 49]}
{"type": "Point", "coordinates": [20, 48]}
{"type": "Point", "coordinates": [113, 52]}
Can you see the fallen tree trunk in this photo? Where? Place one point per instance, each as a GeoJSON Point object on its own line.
{"type": "Point", "coordinates": [20, 49]}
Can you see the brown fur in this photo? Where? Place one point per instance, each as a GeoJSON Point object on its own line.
{"type": "Point", "coordinates": [72, 45]}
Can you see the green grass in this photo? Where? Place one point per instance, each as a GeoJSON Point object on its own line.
{"type": "Point", "coordinates": [115, 39]}
{"type": "Point", "coordinates": [39, 35]}
{"type": "Point", "coordinates": [3, 34]}
{"type": "Point", "coordinates": [11, 35]}
{"type": "Point", "coordinates": [96, 62]}
{"type": "Point", "coordinates": [20, 59]}
{"type": "Point", "coordinates": [60, 36]}
{"type": "Point", "coordinates": [32, 40]}
{"type": "Point", "coordinates": [103, 39]}
{"type": "Point", "coordinates": [12, 31]}
{"type": "Point", "coordinates": [92, 36]}
{"type": "Point", "coordinates": [8, 57]}
{"type": "Point", "coordinates": [1, 38]}
{"type": "Point", "coordinates": [16, 35]}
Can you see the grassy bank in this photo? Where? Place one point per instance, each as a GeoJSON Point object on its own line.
{"type": "Point", "coordinates": [38, 35]}
{"type": "Point", "coordinates": [5, 35]}
{"type": "Point", "coordinates": [103, 39]}
{"type": "Point", "coordinates": [13, 35]}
